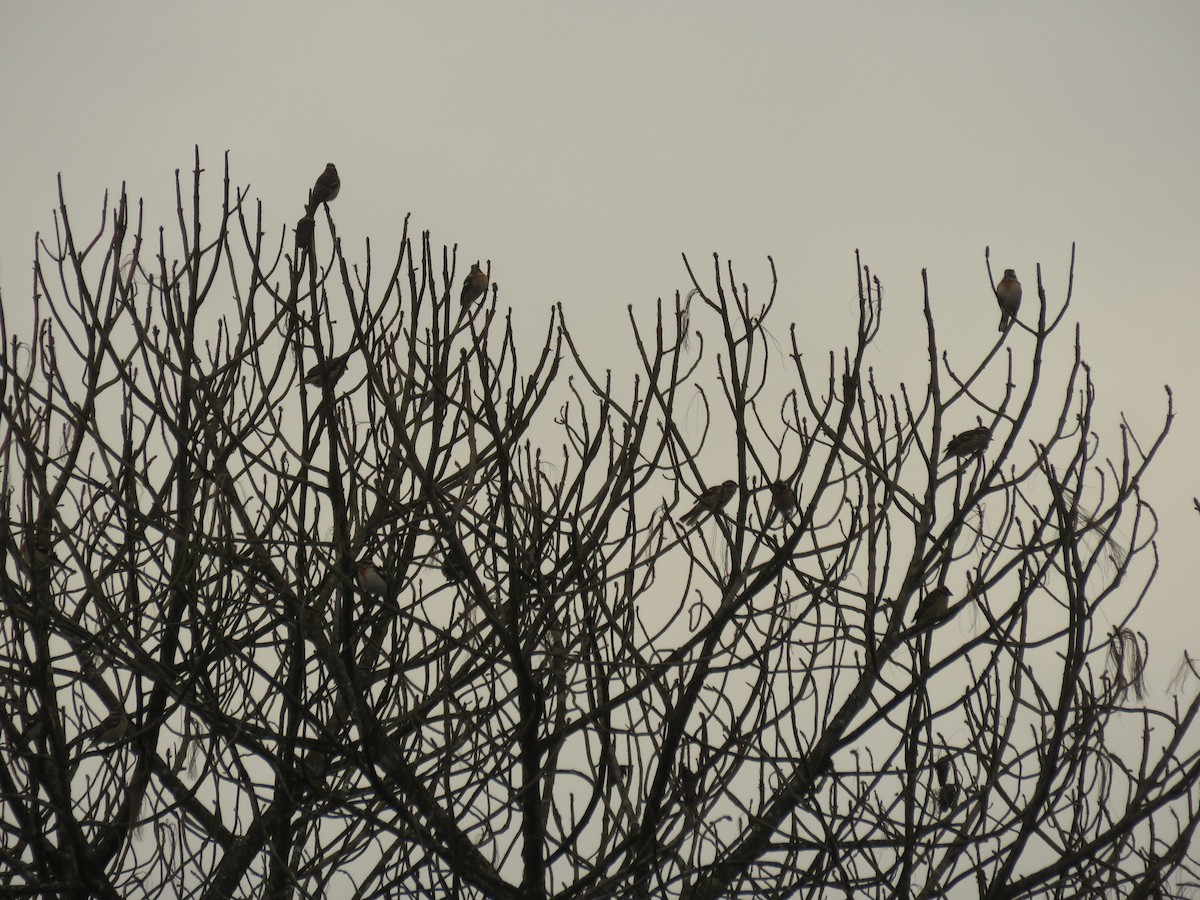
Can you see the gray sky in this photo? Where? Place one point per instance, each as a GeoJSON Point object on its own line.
{"type": "Point", "coordinates": [583, 148]}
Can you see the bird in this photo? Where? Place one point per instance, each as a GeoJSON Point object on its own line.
{"type": "Point", "coordinates": [932, 606]}
{"type": "Point", "coordinates": [326, 189]}
{"type": "Point", "coordinates": [711, 500]}
{"type": "Point", "coordinates": [686, 780]}
{"type": "Point", "coordinates": [327, 372]}
{"type": "Point", "coordinates": [370, 580]}
{"type": "Point", "coordinates": [968, 443]}
{"type": "Point", "coordinates": [947, 797]}
{"type": "Point", "coordinates": [783, 498]}
{"type": "Point", "coordinates": [304, 233]}
{"type": "Point", "coordinates": [1008, 295]}
{"type": "Point", "coordinates": [452, 571]}
{"type": "Point", "coordinates": [40, 557]}
{"type": "Point", "coordinates": [474, 285]}
{"type": "Point", "coordinates": [114, 727]}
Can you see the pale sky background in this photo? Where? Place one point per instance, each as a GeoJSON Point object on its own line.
{"type": "Point", "coordinates": [582, 148]}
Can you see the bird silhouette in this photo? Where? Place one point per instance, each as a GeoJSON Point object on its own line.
{"type": "Point", "coordinates": [114, 727]}
{"type": "Point", "coordinates": [328, 371]}
{"type": "Point", "coordinates": [304, 233]}
{"type": "Point", "coordinates": [452, 571]}
{"type": "Point", "coordinates": [370, 579]}
{"type": "Point", "coordinates": [933, 606]}
{"type": "Point", "coordinates": [968, 443]}
{"type": "Point", "coordinates": [474, 285]}
{"type": "Point", "coordinates": [1008, 295]}
{"type": "Point", "coordinates": [711, 500]}
{"type": "Point", "coordinates": [783, 498]}
{"type": "Point", "coordinates": [40, 556]}
{"type": "Point", "coordinates": [327, 187]}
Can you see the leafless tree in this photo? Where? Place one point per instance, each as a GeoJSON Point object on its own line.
{"type": "Point", "coordinates": [879, 662]}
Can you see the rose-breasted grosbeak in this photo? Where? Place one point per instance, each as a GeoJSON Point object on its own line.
{"type": "Point", "coordinates": [40, 557]}
{"type": "Point", "coordinates": [371, 580]}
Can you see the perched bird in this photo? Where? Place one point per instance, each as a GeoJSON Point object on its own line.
{"type": "Point", "coordinates": [944, 768]}
{"type": "Point", "coordinates": [115, 727]}
{"type": "Point", "coordinates": [783, 498]}
{"type": "Point", "coordinates": [711, 500]}
{"type": "Point", "coordinates": [40, 557]}
{"type": "Point", "coordinates": [326, 189]}
{"type": "Point", "coordinates": [933, 606]}
{"type": "Point", "coordinates": [947, 797]}
{"type": "Point", "coordinates": [452, 571]}
{"type": "Point", "coordinates": [968, 443]}
{"type": "Point", "coordinates": [1008, 295]}
{"type": "Point", "coordinates": [328, 371]}
{"type": "Point", "coordinates": [474, 285]}
{"type": "Point", "coordinates": [686, 780]}
{"type": "Point", "coordinates": [371, 580]}
{"type": "Point", "coordinates": [304, 233]}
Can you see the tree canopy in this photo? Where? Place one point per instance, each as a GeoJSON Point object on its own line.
{"type": "Point", "coordinates": [324, 579]}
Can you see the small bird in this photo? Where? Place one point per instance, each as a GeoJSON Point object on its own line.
{"type": "Point", "coordinates": [947, 797]}
{"type": "Point", "coordinates": [474, 285]}
{"type": "Point", "coordinates": [711, 500]}
{"type": "Point", "coordinates": [329, 371]}
{"type": "Point", "coordinates": [452, 571]}
{"type": "Point", "coordinates": [968, 443]}
{"type": "Point", "coordinates": [115, 727]}
{"type": "Point", "coordinates": [304, 233]}
{"type": "Point", "coordinates": [783, 498]}
{"type": "Point", "coordinates": [1008, 295]}
{"type": "Point", "coordinates": [933, 606]}
{"type": "Point", "coordinates": [371, 580]}
{"type": "Point", "coordinates": [326, 189]}
{"type": "Point", "coordinates": [40, 557]}
{"type": "Point", "coordinates": [688, 781]}
{"type": "Point", "coordinates": [944, 768]}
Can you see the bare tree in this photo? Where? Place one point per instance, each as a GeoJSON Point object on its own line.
{"type": "Point", "coordinates": [321, 582]}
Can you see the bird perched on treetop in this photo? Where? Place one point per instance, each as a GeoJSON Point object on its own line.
{"type": "Point", "coordinates": [968, 443]}
{"type": "Point", "coordinates": [329, 371]}
{"type": "Point", "coordinates": [711, 500]}
{"type": "Point", "coordinates": [474, 285]}
{"type": "Point", "coordinates": [304, 233]}
{"type": "Point", "coordinates": [370, 579]}
{"type": "Point", "coordinates": [783, 498]}
{"type": "Point", "coordinates": [933, 606]}
{"type": "Point", "coordinates": [1008, 295]}
{"type": "Point", "coordinates": [327, 187]}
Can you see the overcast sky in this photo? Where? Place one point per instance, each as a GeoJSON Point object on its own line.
{"type": "Point", "coordinates": [582, 148]}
